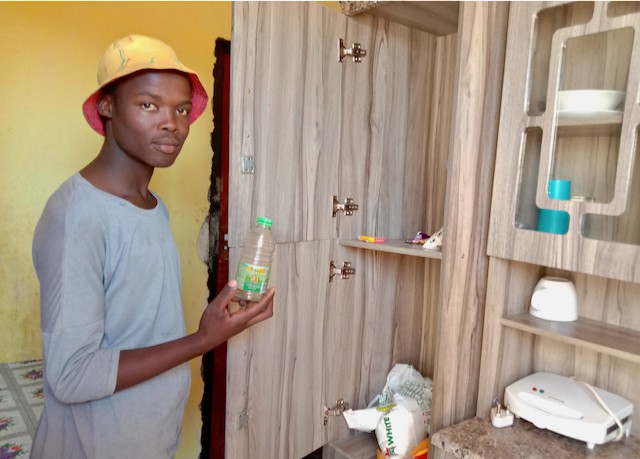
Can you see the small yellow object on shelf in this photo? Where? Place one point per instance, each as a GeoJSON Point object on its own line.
{"type": "Point", "coordinates": [376, 240]}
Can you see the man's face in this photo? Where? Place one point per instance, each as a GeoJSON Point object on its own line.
{"type": "Point", "coordinates": [149, 115]}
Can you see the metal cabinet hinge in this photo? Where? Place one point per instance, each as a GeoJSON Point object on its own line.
{"type": "Point", "coordinates": [356, 51]}
{"type": "Point", "coordinates": [242, 421]}
{"type": "Point", "coordinates": [246, 164]}
{"type": "Point", "coordinates": [337, 410]}
{"type": "Point", "coordinates": [343, 272]}
{"type": "Point", "coordinates": [348, 207]}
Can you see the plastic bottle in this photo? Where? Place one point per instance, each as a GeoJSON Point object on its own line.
{"type": "Point", "coordinates": [254, 265]}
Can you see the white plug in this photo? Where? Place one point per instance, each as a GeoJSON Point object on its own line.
{"type": "Point", "coordinates": [501, 417]}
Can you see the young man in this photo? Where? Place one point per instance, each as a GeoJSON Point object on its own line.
{"type": "Point", "coordinates": [115, 345]}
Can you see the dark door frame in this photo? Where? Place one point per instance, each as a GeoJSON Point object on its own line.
{"type": "Point", "coordinates": [214, 363]}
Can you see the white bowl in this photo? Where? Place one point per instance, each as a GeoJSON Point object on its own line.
{"type": "Point", "coordinates": [589, 100]}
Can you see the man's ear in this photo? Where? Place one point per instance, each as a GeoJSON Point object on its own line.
{"type": "Point", "coordinates": [105, 105]}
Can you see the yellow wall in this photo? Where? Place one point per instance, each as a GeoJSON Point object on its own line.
{"type": "Point", "coordinates": [47, 68]}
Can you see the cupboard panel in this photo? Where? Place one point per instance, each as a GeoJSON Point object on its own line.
{"type": "Point", "coordinates": [286, 116]}
{"type": "Point", "coordinates": [397, 111]}
{"type": "Point", "coordinates": [326, 341]}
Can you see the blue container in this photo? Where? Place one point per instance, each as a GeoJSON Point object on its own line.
{"type": "Point", "coordinates": [559, 189]}
{"type": "Point", "coordinates": [555, 221]}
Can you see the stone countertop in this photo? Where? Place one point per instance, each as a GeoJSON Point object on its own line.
{"type": "Point", "coordinates": [476, 438]}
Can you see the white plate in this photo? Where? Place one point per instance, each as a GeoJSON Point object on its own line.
{"type": "Point", "coordinates": [590, 99]}
{"type": "Point", "coordinates": [588, 113]}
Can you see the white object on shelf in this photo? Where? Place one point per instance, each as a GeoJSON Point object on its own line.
{"type": "Point", "coordinates": [435, 241]}
{"type": "Point", "coordinates": [567, 407]}
{"type": "Point", "coordinates": [585, 114]}
{"type": "Point", "coordinates": [589, 100]}
{"type": "Point", "coordinates": [554, 298]}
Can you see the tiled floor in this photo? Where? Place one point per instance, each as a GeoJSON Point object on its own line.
{"type": "Point", "coordinates": [21, 404]}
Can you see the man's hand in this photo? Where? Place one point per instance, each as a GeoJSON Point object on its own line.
{"type": "Point", "coordinates": [218, 323]}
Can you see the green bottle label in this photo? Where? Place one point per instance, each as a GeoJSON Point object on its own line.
{"type": "Point", "coordinates": [252, 278]}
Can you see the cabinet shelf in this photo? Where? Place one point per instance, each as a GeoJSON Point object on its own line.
{"type": "Point", "coordinates": [597, 336]}
{"type": "Point", "coordinates": [599, 125]}
{"type": "Point", "coordinates": [437, 18]}
{"type": "Point", "coordinates": [397, 246]}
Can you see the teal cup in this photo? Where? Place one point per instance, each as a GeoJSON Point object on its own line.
{"type": "Point", "coordinates": [555, 221]}
{"type": "Point", "coordinates": [559, 189]}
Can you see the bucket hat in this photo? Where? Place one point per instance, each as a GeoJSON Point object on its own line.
{"type": "Point", "coordinates": [132, 54]}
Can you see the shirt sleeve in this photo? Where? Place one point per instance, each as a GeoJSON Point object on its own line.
{"type": "Point", "coordinates": [69, 253]}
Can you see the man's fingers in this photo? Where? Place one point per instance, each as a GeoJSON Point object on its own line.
{"type": "Point", "coordinates": [226, 295]}
{"type": "Point", "coordinates": [257, 311]}
{"type": "Point", "coordinates": [262, 309]}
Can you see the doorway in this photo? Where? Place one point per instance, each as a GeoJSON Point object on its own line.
{"type": "Point", "coordinates": [214, 363]}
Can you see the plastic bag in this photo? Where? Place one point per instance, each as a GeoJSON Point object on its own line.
{"type": "Point", "coordinates": [401, 419]}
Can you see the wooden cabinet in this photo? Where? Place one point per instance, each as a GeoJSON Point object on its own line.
{"type": "Point", "coordinates": [557, 50]}
{"type": "Point", "coordinates": [555, 47]}
{"type": "Point", "coordinates": [409, 134]}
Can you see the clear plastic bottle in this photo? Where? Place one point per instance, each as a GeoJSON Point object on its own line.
{"type": "Point", "coordinates": [254, 265]}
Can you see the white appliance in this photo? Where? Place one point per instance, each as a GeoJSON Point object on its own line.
{"type": "Point", "coordinates": [566, 406]}
{"type": "Point", "coordinates": [555, 298]}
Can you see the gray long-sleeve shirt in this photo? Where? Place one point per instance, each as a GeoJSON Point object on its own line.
{"type": "Point", "coordinates": [110, 280]}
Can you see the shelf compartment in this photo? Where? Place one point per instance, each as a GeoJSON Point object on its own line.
{"type": "Point", "coordinates": [597, 336]}
{"type": "Point", "coordinates": [604, 125]}
{"type": "Point", "coordinates": [397, 246]}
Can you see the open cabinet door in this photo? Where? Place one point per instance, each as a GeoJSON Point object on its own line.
{"type": "Point", "coordinates": [305, 128]}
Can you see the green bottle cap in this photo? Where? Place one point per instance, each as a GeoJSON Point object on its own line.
{"type": "Point", "coordinates": [264, 221]}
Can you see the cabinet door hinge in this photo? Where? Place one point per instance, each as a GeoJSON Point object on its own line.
{"type": "Point", "coordinates": [348, 207]}
{"type": "Point", "coordinates": [356, 51]}
{"type": "Point", "coordinates": [343, 272]}
{"type": "Point", "coordinates": [337, 410]}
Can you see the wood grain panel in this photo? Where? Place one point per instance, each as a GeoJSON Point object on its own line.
{"type": "Point", "coordinates": [506, 354]}
{"type": "Point", "coordinates": [274, 372]}
{"type": "Point", "coordinates": [464, 262]}
{"type": "Point", "coordinates": [428, 349]}
{"type": "Point", "coordinates": [286, 115]}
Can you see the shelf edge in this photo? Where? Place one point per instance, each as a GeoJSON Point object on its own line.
{"type": "Point", "coordinates": [397, 247]}
{"type": "Point", "coordinates": [566, 332]}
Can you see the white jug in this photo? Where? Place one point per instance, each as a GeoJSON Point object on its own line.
{"type": "Point", "coordinates": [554, 298]}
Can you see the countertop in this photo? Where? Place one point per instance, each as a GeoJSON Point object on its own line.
{"type": "Point", "coordinates": [476, 438]}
